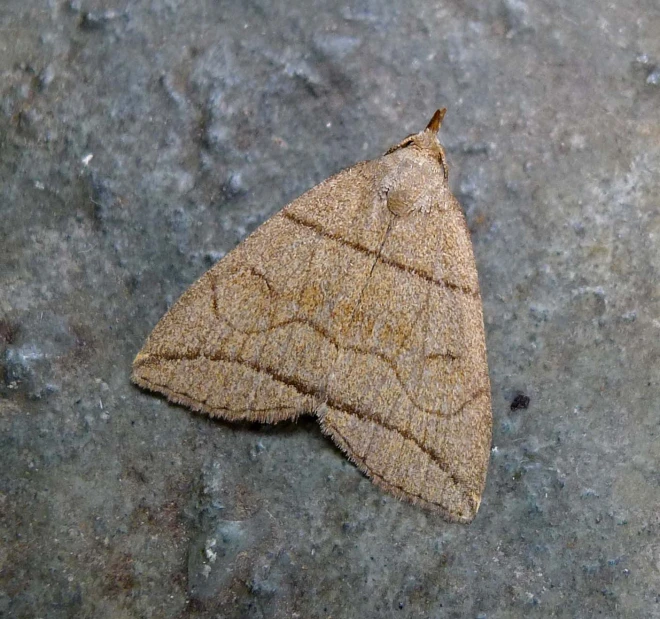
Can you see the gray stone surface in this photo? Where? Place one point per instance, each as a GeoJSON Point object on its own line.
{"type": "Point", "coordinates": [141, 141]}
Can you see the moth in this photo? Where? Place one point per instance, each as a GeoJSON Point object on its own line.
{"type": "Point", "coordinates": [357, 303]}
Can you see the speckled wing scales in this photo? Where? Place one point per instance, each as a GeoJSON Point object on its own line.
{"type": "Point", "coordinates": [414, 413]}
{"type": "Point", "coordinates": [359, 302]}
{"type": "Point", "coordinates": [256, 336]}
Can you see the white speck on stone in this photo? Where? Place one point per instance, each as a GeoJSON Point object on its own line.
{"type": "Point", "coordinates": [630, 316]}
{"type": "Point", "coordinates": [211, 555]}
{"type": "Point", "coordinates": [87, 158]}
{"type": "Point", "coordinates": [577, 142]}
{"type": "Point", "coordinates": [653, 78]}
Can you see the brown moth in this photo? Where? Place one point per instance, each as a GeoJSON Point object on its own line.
{"type": "Point", "coordinates": [357, 303]}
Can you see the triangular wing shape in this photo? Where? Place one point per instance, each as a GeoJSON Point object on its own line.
{"type": "Point", "coordinates": [256, 336]}
{"type": "Point", "coordinates": [358, 302]}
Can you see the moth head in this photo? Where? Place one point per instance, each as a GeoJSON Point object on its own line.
{"type": "Point", "coordinates": [427, 141]}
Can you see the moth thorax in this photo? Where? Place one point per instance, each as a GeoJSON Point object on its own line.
{"type": "Point", "coordinates": [412, 182]}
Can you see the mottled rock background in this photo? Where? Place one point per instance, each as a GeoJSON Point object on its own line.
{"type": "Point", "coordinates": [141, 141]}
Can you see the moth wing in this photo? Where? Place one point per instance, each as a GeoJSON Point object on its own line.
{"type": "Point", "coordinates": [339, 306]}
{"type": "Point", "coordinates": [410, 405]}
{"type": "Point", "coordinates": [256, 336]}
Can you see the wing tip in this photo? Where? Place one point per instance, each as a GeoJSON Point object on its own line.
{"type": "Point", "coordinates": [468, 510]}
